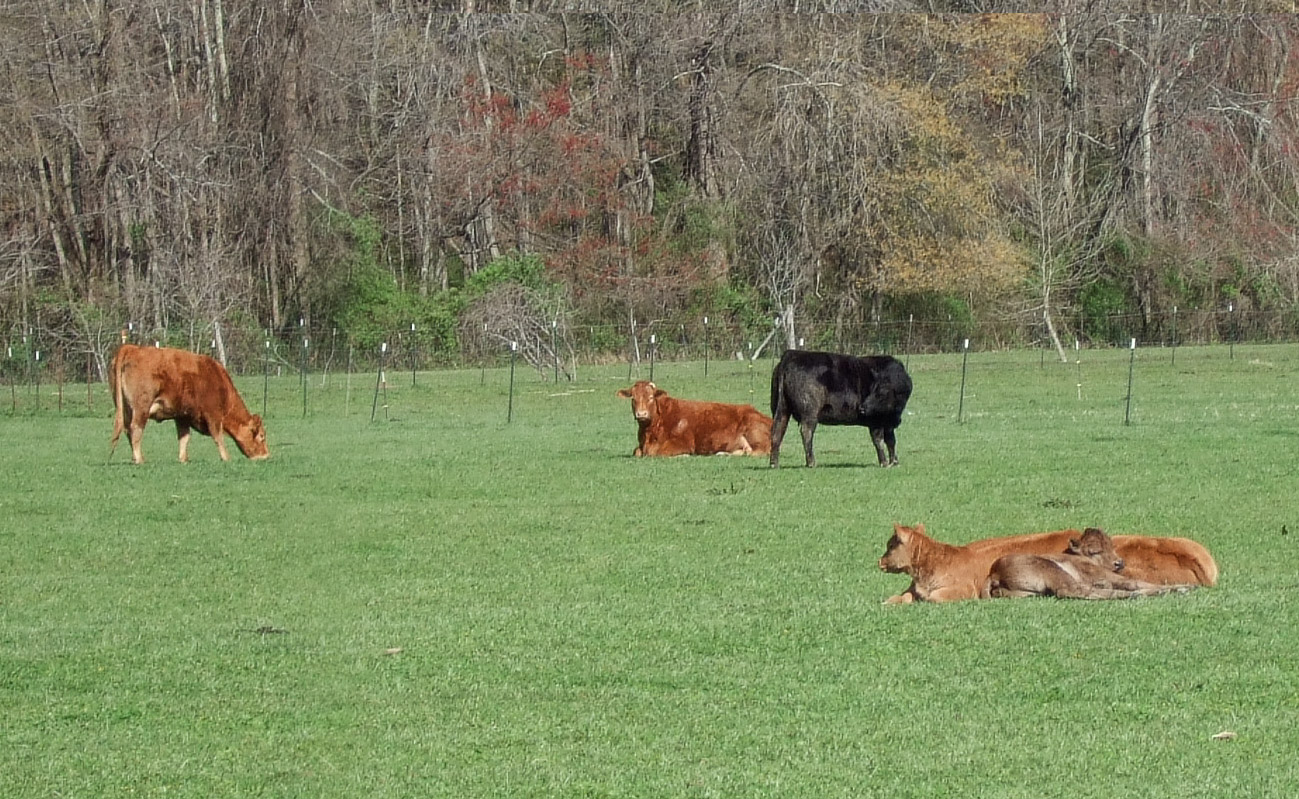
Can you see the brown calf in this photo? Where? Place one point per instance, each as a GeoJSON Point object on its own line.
{"type": "Point", "coordinates": [1088, 569]}
{"type": "Point", "coordinates": [944, 573]}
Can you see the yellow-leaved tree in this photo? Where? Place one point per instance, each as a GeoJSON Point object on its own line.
{"type": "Point", "coordinates": [932, 222]}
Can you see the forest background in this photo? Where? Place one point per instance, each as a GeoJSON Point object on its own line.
{"type": "Point", "coordinates": [229, 170]}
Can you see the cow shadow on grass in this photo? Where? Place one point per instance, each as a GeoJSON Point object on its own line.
{"type": "Point", "coordinates": [759, 463]}
{"type": "Point", "coordinates": [850, 465]}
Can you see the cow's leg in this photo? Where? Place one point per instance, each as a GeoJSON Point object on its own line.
{"type": "Point", "coordinates": [778, 425]}
{"type": "Point", "coordinates": [1002, 592]}
{"type": "Point", "coordinates": [808, 429]}
{"type": "Point", "coordinates": [905, 598]}
{"type": "Point", "coordinates": [139, 415]}
{"type": "Point", "coordinates": [182, 433]}
{"type": "Point", "coordinates": [877, 438]}
{"type": "Point", "coordinates": [1119, 589]}
{"type": "Point", "coordinates": [1094, 592]}
{"type": "Point", "coordinates": [1143, 588]}
{"type": "Point", "coordinates": [219, 436]}
{"type": "Point", "coordinates": [957, 592]}
{"type": "Point", "coordinates": [891, 441]}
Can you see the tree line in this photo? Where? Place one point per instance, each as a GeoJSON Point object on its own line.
{"type": "Point", "coordinates": [240, 165]}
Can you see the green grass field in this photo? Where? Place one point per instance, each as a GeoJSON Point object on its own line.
{"type": "Point", "coordinates": [572, 621]}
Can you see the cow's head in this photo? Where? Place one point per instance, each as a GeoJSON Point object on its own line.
{"type": "Point", "coordinates": [899, 555]}
{"type": "Point", "coordinates": [251, 438]}
{"type": "Point", "coordinates": [1098, 547]}
{"type": "Point", "coordinates": [644, 397]}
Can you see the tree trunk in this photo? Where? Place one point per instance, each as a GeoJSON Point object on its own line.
{"type": "Point", "coordinates": [787, 323]}
{"type": "Point", "coordinates": [293, 142]}
{"type": "Point", "coordinates": [219, 341]}
{"type": "Point", "coordinates": [1146, 137]}
{"type": "Point", "coordinates": [1055, 337]}
{"type": "Point", "coordinates": [701, 144]}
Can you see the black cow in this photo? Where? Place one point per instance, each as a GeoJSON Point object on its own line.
{"type": "Point", "coordinates": [825, 387]}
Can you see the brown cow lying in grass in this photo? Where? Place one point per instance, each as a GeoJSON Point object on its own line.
{"type": "Point", "coordinates": [1088, 569]}
{"type": "Point", "coordinates": [946, 573]}
{"type": "Point", "coordinates": [668, 426]}
{"type": "Point", "coordinates": [1170, 561]}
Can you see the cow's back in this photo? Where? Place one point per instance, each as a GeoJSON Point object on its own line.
{"type": "Point", "coordinates": [186, 384]}
{"type": "Point", "coordinates": [804, 382]}
{"type": "Point", "coordinates": [1167, 561]}
{"type": "Point", "coordinates": [1035, 543]}
{"type": "Point", "coordinates": [706, 428]}
{"type": "Point", "coordinates": [206, 386]}
{"type": "Point", "coordinates": [834, 388]}
{"type": "Point", "coordinates": [974, 560]}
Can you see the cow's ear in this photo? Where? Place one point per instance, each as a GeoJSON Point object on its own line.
{"type": "Point", "coordinates": [902, 532]}
{"type": "Point", "coordinates": [624, 393]}
{"type": "Point", "coordinates": [658, 392]}
{"type": "Point", "coordinates": [1075, 545]}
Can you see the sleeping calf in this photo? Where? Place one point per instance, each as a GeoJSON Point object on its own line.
{"type": "Point", "coordinates": [1088, 569]}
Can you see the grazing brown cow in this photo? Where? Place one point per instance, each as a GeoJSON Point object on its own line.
{"type": "Point", "coordinates": [160, 383]}
{"type": "Point", "coordinates": [671, 426]}
{"type": "Point", "coordinates": [944, 573]}
{"type": "Point", "coordinates": [1089, 569]}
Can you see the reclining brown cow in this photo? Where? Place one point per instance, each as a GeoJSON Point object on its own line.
{"type": "Point", "coordinates": [1089, 569]}
{"type": "Point", "coordinates": [945, 573]}
{"type": "Point", "coordinates": [667, 426]}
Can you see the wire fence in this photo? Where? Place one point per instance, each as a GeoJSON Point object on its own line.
{"type": "Point", "coordinates": [34, 357]}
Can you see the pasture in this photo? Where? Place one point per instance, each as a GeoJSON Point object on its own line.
{"type": "Point", "coordinates": [443, 604]}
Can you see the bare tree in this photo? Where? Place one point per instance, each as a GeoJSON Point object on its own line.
{"type": "Point", "coordinates": [513, 315]}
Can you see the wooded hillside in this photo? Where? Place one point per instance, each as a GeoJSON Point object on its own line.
{"type": "Point", "coordinates": [369, 166]}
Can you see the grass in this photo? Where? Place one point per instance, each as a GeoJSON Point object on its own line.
{"type": "Point", "coordinates": [575, 622]}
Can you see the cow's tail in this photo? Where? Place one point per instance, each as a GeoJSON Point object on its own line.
{"type": "Point", "coordinates": [778, 390]}
{"type": "Point", "coordinates": [119, 401]}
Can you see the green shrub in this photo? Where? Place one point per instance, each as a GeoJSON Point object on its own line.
{"type": "Point", "coordinates": [1102, 302]}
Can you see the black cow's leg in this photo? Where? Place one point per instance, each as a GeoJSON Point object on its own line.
{"type": "Point", "coordinates": [778, 425]}
{"type": "Point", "coordinates": [877, 438]}
{"type": "Point", "coordinates": [808, 428]}
{"type": "Point", "coordinates": [883, 438]}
